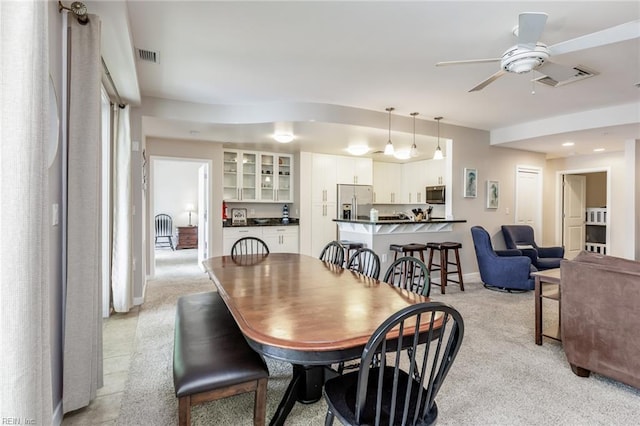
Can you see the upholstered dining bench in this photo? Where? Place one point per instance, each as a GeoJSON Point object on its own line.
{"type": "Point", "coordinates": [211, 358]}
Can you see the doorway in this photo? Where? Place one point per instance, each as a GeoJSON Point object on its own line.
{"type": "Point", "coordinates": [582, 218]}
{"type": "Point", "coordinates": [529, 198]}
{"type": "Point", "coordinates": [177, 187]}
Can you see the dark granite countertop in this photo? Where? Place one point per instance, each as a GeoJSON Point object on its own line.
{"type": "Point", "coordinates": [266, 221]}
{"type": "Point", "coordinates": [402, 221]}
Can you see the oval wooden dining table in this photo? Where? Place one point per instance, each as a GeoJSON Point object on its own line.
{"type": "Point", "coordinates": [298, 309]}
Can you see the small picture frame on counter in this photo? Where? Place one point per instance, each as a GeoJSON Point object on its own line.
{"type": "Point", "coordinates": [238, 216]}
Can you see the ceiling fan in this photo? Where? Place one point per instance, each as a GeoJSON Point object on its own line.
{"type": "Point", "coordinates": [530, 53]}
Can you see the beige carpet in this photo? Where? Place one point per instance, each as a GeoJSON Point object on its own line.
{"type": "Point", "coordinates": [500, 376]}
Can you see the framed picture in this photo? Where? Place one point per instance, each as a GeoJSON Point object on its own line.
{"type": "Point", "coordinates": [470, 183]}
{"type": "Point", "coordinates": [493, 194]}
{"type": "Point", "coordinates": [238, 216]}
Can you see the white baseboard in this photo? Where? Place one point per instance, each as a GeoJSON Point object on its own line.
{"type": "Point", "coordinates": [56, 420]}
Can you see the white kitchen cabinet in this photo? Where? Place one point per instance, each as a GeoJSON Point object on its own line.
{"type": "Point", "coordinates": [323, 178]}
{"type": "Point", "coordinates": [231, 235]}
{"type": "Point", "coordinates": [323, 229]}
{"type": "Point", "coordinates": [435, 172]}
{"type": "Point", "coordinates": [387, 182]}
{"type": "Point", "coordinates": [240, 180]}
{"type": "Point", "coordinates": [276, 177]}
{"type": "Point", "coordinates": [281, 239]}
{"type": "Point", "coordinates": [353, 170]}
{"type": "Point", "coordinates": [257, 176]}
{"type": "Point", "coordinates": [414, 181]}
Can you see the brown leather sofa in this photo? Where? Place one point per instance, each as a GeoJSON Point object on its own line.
{"type": "Point", "coordinates": [601, 316]}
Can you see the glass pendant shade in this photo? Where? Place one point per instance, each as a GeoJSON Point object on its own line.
{"type": "Point", "coordinates": [388, 149]}
{"type": "Point", "coordinates": [438, 154]}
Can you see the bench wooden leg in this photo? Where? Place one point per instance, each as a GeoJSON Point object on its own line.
{"type": "Point", "coordinates": [184, 411]}
{"type": "Point", "coordinates": [260, 404]}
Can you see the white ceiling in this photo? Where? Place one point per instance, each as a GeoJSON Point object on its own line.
{"type": "Point", "coordinates": [370, 55]}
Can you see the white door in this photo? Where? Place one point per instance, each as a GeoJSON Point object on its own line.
{"type": "Point", "coordinates": [203, 214]}
{"type": "Point", "coordinates": [573, 212]}
{"type": "Point", "coordinates": [529, 199]}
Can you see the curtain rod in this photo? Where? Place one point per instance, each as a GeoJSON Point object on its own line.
{"type": "Point", "coordinates": [113, 85]}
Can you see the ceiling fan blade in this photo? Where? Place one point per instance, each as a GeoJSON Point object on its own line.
{"type": "Point", "coordinates": [611, 35]}
{"type": "Point", "coordinates": [470, 61]}
{"type": "Point", "coordinates": [530, 27]}
{"type": "Point", "coordinates": [488, 81]}
{"type": "Point", "coordinates": [556, 71]}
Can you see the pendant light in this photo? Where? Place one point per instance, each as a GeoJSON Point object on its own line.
{"type": "Point", "coordinates": [438, 154]}
{"type": "Point", "coordinates": [388, 149]}
{"type": "Point", "coordinates": [414, 147]}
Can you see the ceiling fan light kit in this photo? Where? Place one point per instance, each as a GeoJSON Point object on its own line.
{"type": "Point", "coordinates": [530, 54]}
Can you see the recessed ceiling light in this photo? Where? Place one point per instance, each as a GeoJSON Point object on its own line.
{"type": "Point", "coordinates": [402, 154]}
{"type": "Point", "coordinates": [283, 137]}
{"type": "Point", "coordinates": [194, 132]}
{"type": "Point", "coordinates": [358, 149]}
{"type": "Point", "coordinates": [568, 144]}
{"type": "Point", "coordinates": [598, 150]}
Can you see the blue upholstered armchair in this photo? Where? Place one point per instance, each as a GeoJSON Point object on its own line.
{"type": "Point", "coordinates": [501, 269]}
{"type": "Point", "coordinates": [521, 237]}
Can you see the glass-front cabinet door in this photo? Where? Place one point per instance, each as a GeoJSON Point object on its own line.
{"type": "Point", "coordinates": [258, 176]}
{"type": "Point", "coordinates": [284, 190]}
{"type": "Point", "coordinates": [240, 176]}
{"type": "Point", "coordinates": [248, 191]}
{"type": "Point", "coordinates": [231, 188]}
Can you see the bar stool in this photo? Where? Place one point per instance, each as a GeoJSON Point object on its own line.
{"type": "Point", "coordinates": [444, 262]}
{"type": "Point", "coordinates": [348, 247]}
{"type": "Point", "coordinates": [408, 250]}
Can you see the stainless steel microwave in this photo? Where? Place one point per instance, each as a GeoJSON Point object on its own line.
{"type": "Point", "coordinates": [435, 194]}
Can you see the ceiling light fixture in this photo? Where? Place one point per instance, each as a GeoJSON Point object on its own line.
{"type": "Point", "coordinates": [598, 150]}
{"type": "Point", "coordinates": [388, 149]}
{"type": "Point", "coordinates": [438, 154]}
{"type": "Point", "coordinates": [568, 144]}
{"type": "Point", "coordinates": [283, 137]}
{"type": "Point", "coordinates": [358, 149]}
{"type": "Point", "coordinates": [414, 148]}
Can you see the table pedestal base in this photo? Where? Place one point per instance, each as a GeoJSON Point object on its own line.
{"type": "Point", "coordinates": [305, 387]}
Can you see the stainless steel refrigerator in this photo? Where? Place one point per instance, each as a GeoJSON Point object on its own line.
{"type": "Point", "coordinates": [354, 201]}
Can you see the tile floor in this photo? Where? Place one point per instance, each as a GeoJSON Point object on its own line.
{"type": "Point", "coordinates": [118, 338]}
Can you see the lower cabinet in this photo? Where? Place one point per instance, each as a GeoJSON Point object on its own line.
{"type": "Point", "coordinates": [279, 239]}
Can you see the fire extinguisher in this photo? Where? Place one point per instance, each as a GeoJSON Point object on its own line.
{"type": "Point", "coordinates": [225, 215]}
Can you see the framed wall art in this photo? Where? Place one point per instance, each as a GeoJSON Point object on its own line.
{"type": "Point", "coordinates": [470, 180]}
{"type": "Point", "coordinates": [493, 194]}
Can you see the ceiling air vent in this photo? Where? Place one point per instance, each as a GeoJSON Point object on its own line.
{"type": "Point", "coordinates": [149, 56]}
{"type": "Point", "coordinates": [580, 73]}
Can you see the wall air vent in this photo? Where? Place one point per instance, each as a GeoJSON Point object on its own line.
{"type": "Point", "coordinates": [149, 55]}
{"type": "Point", "coordinates": [581, 72]}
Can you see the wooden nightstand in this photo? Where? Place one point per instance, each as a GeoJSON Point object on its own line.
{"type": "Point", "coordinates": [187, 237]}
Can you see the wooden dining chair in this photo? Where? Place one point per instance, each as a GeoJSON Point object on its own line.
{"type": "Point", "coordinates": [164, 231]}
{"type": "Point", "coordinates": [333, 253]}
{"type": "Point", "coordinates": [409, 273]}
{"type": "Point", "coordinates": [366, 262]}
{"type": "Point", "coordinates": [249, 246]}
{"type": "Point", "coordinates": [389, 393]}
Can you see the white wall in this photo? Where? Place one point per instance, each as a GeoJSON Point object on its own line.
{"type": "Point", "coordinates": [175, 185]}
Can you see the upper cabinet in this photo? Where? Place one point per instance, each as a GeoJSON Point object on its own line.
{"type": "Point", "coordinates": [395, 183]}
{"type": "Point", "coordinates": [276, 179]}
{"type": "Point", "coordinates": [257, 176]}
{"type": "Point", "coordinates": [353, 170]}
{"type": "Point", "coordinates": [387, 182]}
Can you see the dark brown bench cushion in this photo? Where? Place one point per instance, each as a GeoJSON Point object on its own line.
{"type": "Point", "coordinates": [210, 351]}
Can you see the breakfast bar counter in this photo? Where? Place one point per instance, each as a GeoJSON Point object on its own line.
{"type": "Point", "coordinates": [379, 235]}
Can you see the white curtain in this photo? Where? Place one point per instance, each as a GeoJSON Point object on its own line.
{"type": "Point", "coordinates": [82, 362]}
{"type": "Point", "coordinates": [121, 270]}
{"type": "Point", "coordinates": [25, 354]}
